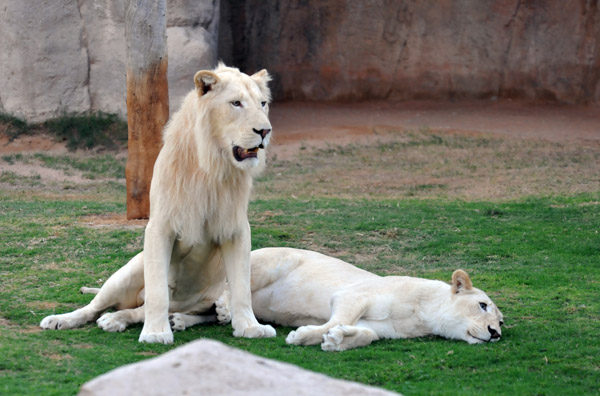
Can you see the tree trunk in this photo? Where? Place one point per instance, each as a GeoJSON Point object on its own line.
{"type": "Point", "coordinates": [147, 97]}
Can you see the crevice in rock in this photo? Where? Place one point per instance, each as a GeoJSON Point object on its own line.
{"type": "Point", "coordinates": [589, 47]}
{"type": "Point", "coordinates": [506, 55]}
{"type": "Point", "coordinates": [85, 45]}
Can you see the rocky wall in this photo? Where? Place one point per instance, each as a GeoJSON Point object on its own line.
{"type": "Point", "coordinates": [433, 49]}
{"type": "Point", "coordinates": [69, 55]}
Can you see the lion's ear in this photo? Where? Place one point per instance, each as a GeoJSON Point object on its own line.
{"type": "Point", "coordinates": [205, 81]}
{"type": "Point", "coordinates": [461, 281]}
{"type": "Point", "coordinates": [262, 79]}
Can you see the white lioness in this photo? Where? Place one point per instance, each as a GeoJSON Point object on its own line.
{"type": "Point", "coordinates": [198, 233]}
{"type": "Point", "coordinates": [343, 307]}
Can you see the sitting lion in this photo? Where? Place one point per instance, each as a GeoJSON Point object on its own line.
{"type": "Point", "coordinates": [343, 307]}
{"type": "Point", "coordinates": [198, 233]}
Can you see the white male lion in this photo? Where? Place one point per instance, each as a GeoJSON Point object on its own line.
{"type": "Point", "coordinates": [198, 233]}
{"type": "Point", "coordinates": [343, 307]}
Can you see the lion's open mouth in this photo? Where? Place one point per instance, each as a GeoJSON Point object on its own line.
{"type": "Point", "coordinates": [241, 153]}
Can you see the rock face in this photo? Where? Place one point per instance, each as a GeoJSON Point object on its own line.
{"type": "Point", "coordinates": [69, 56]}
{"type": "Point", "coordinates": [208, 367]}
{"type": "Point", "coordinates": [351, 50]}
{"type": "Point", "coordinates": [44, 63]}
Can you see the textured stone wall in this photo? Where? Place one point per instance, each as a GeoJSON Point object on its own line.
{"type": "Point", "coordinates": [69, 56]}
{"type": "Point", "coordinates": [437, 49]}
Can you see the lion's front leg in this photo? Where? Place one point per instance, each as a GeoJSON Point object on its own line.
{"type": "Point", "coordinates": [236, 258]}
{"type": "Point", "coordinates": [158, 246]}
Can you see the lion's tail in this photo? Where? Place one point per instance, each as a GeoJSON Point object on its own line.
{"type": "Point", "coordinates": [89, 290]}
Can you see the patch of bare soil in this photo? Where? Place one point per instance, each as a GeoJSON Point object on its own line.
{"type": "Point", "coordinates": [340, 124]}
{"type": "Point", "coordinates": [31, 144]}
{"type": "Point", "coordinates": [112, 220]}
{"type": "Point", "coordinates": [36, 170]}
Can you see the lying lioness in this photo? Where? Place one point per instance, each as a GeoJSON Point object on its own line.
{"type": "Point", "coordinates": [339, 305]}
{"type": "Point", "coordinates": [343, 307]}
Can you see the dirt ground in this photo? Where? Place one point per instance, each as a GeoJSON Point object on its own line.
{"type": "Point", "coordinates": [465, 150]}
{"type": "Point", "coordinates": [318, 124]}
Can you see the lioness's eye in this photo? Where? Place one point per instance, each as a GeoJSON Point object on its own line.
{"type": "Point", "coordinates": [501, 323]}
{"type": "Point", "coordinates": [483, 306]}
{"type": "Point", "coordinates": [236, 103]}
{"type": "Point", "coordinates": [263, 104]}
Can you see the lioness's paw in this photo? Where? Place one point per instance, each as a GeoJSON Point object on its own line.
{"type": "Point", "coordinates": [223, 313]}
{"type": "Point", "coordinates": [293, 338]}
{"type": "Point", "coordinates": [305, 335]}
{"type": "Point", "coordinates": [112, 322]}
{"type": "Point", "coordinates": [164, 337]}
{"type": "Point", "coordinates": [176, 321]}
{"type": "Point", "coordinates": [332, 341]}
{"type": "Point", "coordinates": [58, 322]}
{"type": "Point", "coordinates": [257, 331]}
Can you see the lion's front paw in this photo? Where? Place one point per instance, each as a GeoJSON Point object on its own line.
{"type": "Point", "coordinates": [223, 312]}
{"type": "Point", "coordinates": [156, 337]}
{"type": "Point", "coordinates": [257, 331]}
{"type": "Point", "coordinates": [58, 322]}
{"type": "Point", "coordinates": [165, 337]}
{"type": "Point", "coordinates": [176, 321]}
{"type": "Point", "coordinates": [112, 322]}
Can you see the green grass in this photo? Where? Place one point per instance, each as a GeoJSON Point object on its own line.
{"type": "Point", "coordinates": [537, 258]}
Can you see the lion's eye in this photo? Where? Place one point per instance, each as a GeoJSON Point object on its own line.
{"type": "Point", "coordinates": [483, 306]}
{"type": "Point", "coordinates": [501, 323]}
{"type": "Point", "coordinates": [263, 104]}
{"type": "Point", "coordinates": [236, 103]}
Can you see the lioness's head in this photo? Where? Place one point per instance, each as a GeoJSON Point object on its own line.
{"type": "Point", "coordinates": [476, 318]}
{"type": "Point", "coordinates": [238, 110]}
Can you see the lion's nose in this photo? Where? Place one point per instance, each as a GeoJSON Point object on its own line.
{"type": "Point", "coordinates": [262, 132]}
{"type": "Point", "coordinates": [493, 332]}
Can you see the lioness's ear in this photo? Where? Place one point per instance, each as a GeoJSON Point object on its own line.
{"type": "Point", "coordinates": [262, 79]}
{"type": "Point", "coordinates": [205, 81]}
{"type": "Point", "coordinates": [461, 281]}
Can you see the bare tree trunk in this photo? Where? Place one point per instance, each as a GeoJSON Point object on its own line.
{"type": "Point", "coordinates": [147, 97]}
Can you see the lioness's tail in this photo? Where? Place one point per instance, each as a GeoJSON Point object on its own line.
{"type": "Point", "coordinates": [89, 290]}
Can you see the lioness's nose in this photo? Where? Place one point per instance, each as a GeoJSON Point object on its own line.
{"type": "Point", "coordinates": [493, 332]}
{"type": "Point", "coordinates": [262, 132]}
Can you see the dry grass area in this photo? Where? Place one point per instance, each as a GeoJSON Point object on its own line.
{"type": "Point", "coordinates": [468, 151]}
{"type": "Point", "coordinates": [428, 163]}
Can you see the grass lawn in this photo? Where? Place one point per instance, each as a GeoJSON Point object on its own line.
{"type": "Point", "coordinates": [537, 257]}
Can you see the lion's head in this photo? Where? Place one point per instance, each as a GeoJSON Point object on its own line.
{"type": "Point", "coordinates": [475, 317]}
{"type": "Point", "coordinates": [238, 111]}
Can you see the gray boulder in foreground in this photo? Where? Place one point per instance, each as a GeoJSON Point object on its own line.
{"type": "Point", "coordinates": [206, 367]}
